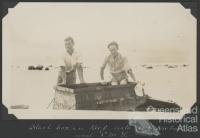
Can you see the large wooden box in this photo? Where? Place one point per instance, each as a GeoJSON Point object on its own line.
{"type": "Point", "coordinates": [93, 96]}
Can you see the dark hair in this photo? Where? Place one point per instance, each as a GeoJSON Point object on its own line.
{"type": "Point", "coordinates": [69, 39]}
{"type": "Point", "coordinates": [113, 43]}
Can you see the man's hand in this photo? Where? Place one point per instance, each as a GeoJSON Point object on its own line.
{"type": "Point", "coordinates": [136, 81]}
{"type": "Point", "coordinates": [103, 83]}
{"type": "Point", "coordinates": [82, 81]}
{"type": "Point", "coordinates": [80, 72]}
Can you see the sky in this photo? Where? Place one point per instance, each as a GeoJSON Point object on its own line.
{"type": "Point", "coordinates": [33, 33]}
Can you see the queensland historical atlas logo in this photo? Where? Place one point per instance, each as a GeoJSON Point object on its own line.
{"type": "Point", "coordinates": [189, 122]}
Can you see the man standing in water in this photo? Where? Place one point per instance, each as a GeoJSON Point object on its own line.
{"type": "Point", "coordinates": [70, 62]}
{"type": "Point", "coordinates": [118, 66]}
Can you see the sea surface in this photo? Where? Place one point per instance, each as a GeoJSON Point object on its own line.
{"type": "Point", "coordinates": [35, 87]}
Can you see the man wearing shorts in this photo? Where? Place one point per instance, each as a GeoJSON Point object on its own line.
{"type": "Point", "coordinates": [118, 66]}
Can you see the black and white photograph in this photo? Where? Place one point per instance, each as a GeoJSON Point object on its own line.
{"type": "Point", "coordinates": [99, 60]}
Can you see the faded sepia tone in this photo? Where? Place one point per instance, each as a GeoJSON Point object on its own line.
{"type": "Point", "coordinates": [154, 35]}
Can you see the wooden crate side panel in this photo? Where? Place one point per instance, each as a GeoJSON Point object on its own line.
{"type": "Point", "coordinates": [91, 99]}
{"type": "Point", "coordinates": [85, 100]}
{"type": "Point", "coordinates": [64, 100]}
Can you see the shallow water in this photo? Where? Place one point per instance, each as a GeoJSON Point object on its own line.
{"type": "Point", "coordinates": [35, 88]}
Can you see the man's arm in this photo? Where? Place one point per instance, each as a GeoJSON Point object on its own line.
{"type": "Point", "coordinates": [60, 79]}
{"type": "Point", "coordinates": [128, 69]}
{"type": "Point", "coordinates": [130, 72]}
{"type": "Point", "coordinates": [103, 68]}
{"type": "Point", "coordinates": [80, 72]}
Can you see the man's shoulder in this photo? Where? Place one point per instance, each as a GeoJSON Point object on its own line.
{"type": "Point", "coordinates": [122, 56]}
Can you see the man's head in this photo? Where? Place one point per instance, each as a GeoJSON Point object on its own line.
{"type": "Point", "coordinates": [69, 44]}
{"type": "Point", "coordinates": [113, 48]}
